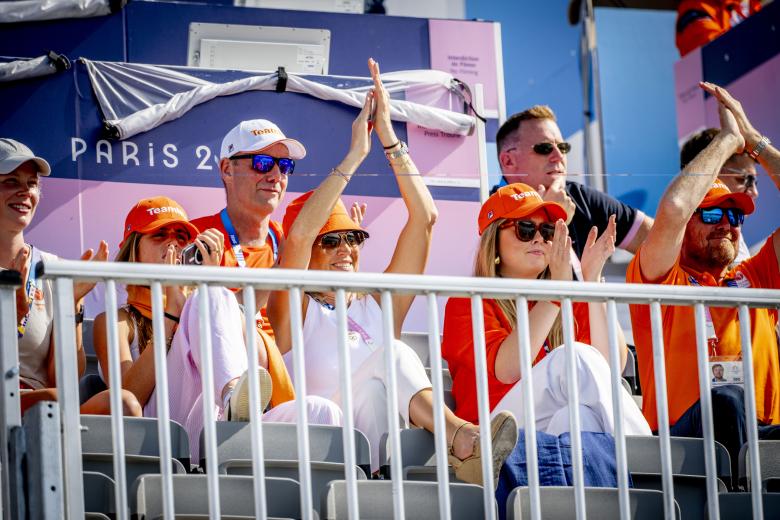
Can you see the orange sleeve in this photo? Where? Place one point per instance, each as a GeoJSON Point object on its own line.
{"type": "Point", "coordinates": [762, 268]}
{"type": "Point", "coordinates": [458, 345]}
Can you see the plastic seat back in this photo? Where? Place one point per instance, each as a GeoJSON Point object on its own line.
{"type": "Point", "coordinates": [421, 500]}
{"type": "Point", "coordinates": [557, 503]}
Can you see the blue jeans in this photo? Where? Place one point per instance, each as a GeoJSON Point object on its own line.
{"type": "Point", "coordinates": [728, 413]}
{"type": "Point", "coordinates": [555, 466]}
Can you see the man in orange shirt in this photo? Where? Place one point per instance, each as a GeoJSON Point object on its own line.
{"type": "Point", "coordinates": [256, 159]}
{"type": "Point", "coordinates": [693, 241]}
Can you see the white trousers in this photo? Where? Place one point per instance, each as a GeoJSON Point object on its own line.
{"type": "Point", "coordinates": [229, 361]}
{"type": "Point", "coordinates": [369, 392]}
{"type": "Point", "coordinates": [551, 392]}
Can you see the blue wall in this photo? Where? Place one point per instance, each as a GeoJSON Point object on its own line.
{"type": "Point", "coordinates": [637, 56]}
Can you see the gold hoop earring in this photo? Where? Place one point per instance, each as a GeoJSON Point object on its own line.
{"type": "Point", "coordinates": [497, 260]}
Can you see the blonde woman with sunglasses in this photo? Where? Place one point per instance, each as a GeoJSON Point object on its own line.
{"type": "Point", "coordinates": [523, 236]}
{"type": "Point", "coordinates": [321, 234]}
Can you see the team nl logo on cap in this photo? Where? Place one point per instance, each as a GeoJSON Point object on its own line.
{"type": "Point", "coordinates": [524, 194]}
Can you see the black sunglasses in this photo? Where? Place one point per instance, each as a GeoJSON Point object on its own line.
{"type": "Point", "coordinates": [355, 238]}
{"type": "Point", "coordinates": [525, 230]}
{"type": "Point", "coordinates": [714, 215]}
{"type": "Point", "coordinates": [265, 163]}
{"type": "Point", "coordinates": [547, 148]}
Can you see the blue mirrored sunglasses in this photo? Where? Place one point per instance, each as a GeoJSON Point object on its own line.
{"type": "Point", "coordinates": [265, 163]}
{"type": "Point", "coordinates": [714, 215]}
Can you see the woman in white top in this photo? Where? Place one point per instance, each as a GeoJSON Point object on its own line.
{"type": "Point", "coordinates": [156, 230]}
{"type": "Point", "coordinates": [20, 192]}
{"type": "Point", "coordinates": [322, 235]}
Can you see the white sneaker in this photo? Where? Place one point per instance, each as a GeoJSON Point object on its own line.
{"type": "Point", "coordinates": [238, 405]}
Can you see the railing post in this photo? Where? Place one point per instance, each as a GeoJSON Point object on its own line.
{"type": "Point", "coordinates": [662, 406]}
{"type": "Point", "coordinates": [617, 409]}
{"type": "Point", "coordinates": [705, 403]}
{"type": "Point", "coordinates": [115, 378]}
{"type": "Point", "coordinates": [68, 395]}
{"type": "Point", "coordinates": [396, 463]}
{"type": "Point", "coordinates": [529, 412]}
{"type": "Point", "coordinates": [9, 391]}
{"type": "Point", "coordinates": [750, 413]}
{"type": "Point", "coordinates": [162, 402]}
{"type": "Point", "coordinates": [256, 413]}
{"type": "Point", "coordinates": [299, 370]}
{"type": "Point", "coordinates": [574, 409]}
{"type": "Point", "coordinates": [440, 432]}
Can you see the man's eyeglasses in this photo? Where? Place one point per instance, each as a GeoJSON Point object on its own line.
{"type": "Point", "coordinates": [713, 216]}
{"type": "Point", "coordinates": [265, 163]}
{"type": "Point", "coordinates": [525, 230]}
{"type": "Point", "coordinates": [748, 180]}
{"type": "Point", "coordinates": [547, 148]}
{"type": "Point", "coordinates": [331, 241]}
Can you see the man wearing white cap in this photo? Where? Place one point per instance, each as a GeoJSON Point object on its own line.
{"type": "Point", "coordinates": [20, 192]}
{"type": "Point", "coordinates": [255, 160]}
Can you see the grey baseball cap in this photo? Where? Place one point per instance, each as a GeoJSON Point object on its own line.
{"type": "Point", "coordinates": [13, 154]}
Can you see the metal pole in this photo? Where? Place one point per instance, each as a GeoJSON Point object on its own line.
{"type": "Point", "coordinates": [115, 377]}
{"type": "Point", "coordinates": [750, 413]}
{"type": "Point", "coordinates": [163, 406]}
{"type": "Point", "coordinates": [346, 402]}
{"type": "Point", "coordinates": [440, 430]}
{"type": "Point", "coordinates": [617, 409]}
{"type": "Point", "coordinates": [705, 402]}
{"type": "Point", "coordinates": [483, 405]}
{"type": "Point", "coordinates": [9, 395]}
{"type": "Point", "coordinates": [207, 379]}
{"type": "Point", "coordinates": [529, 411]}
{"type": "Point", "coordinates": [396, 465]}
{"type": "Point", "coordinates": [574, 409]}
{"type": "Point", "coordinates": [256, 413]}
{"type": "Point", "coordinates": [662, 405]}
{"type": "Point", "coordinates": [299, 370]}
{"type": "Point", "coordinates": [68, 395]}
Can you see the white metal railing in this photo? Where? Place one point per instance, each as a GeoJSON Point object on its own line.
{"type": "Point", "coordinates": [65, 272]}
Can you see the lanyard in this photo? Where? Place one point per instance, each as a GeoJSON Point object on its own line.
{"type": "Point", "coordinates": [712, 336]}
{"type": "Point", "coordinates": [236, 244]}
{"type": "Point", "coordinates": [30, 287]}
{"type": "Point", "coordinates": [352, 325]}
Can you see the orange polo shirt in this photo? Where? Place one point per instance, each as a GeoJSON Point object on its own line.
{"type": "Point", "coordinates": [258, 257]}
{"type": "Point", "coordinates": [761, 272]}
{"type": "Point", "coordinates": [458, 349]}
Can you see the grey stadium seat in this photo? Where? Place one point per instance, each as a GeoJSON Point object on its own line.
{"type": "Point", "coordinates": [421, 500]}
{"type": "Point", "coordinates": [739, 505]}
{"type": "Point", "coordinates": [602, 503]}
{"type": "Point", "coordinates": [99, 495]}
{"type": "Point", "coordinates": [190, 497]}
{"type": "Point", "coordinates": [769, 460]}
{"type": "Point", "coordinates": [141, 448]}
{"type": "Point", "coordinates": [280, 449]}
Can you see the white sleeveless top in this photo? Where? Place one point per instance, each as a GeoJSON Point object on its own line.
{"type": "Point", "coordinates": [35, 345]}
{"type": "Point", "coordinates": [134, 350]}
{"type": "Point", "coordinates": [320, 340]}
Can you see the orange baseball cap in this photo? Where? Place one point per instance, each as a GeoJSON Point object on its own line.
{"type": "Point", "coordinates": [720, 193]}
{"type": "Point", "coordinates": [339, 219]}
{"type": "Point", "coordinates": [515, 201]}
{"type": "Point", "coordinates": [153, 213]}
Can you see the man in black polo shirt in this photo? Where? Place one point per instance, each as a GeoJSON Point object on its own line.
{"type": "Point", "coordinates": [531, 150]}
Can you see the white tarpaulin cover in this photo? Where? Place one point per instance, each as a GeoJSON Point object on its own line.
{"type": "Point", "coordinates": [33, 68]}
{"type": "Point", "coordinates": [36, 10]}
{"type": "Point", "coordinates": [135, 98]}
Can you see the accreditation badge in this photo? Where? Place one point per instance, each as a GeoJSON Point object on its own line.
{"type": "Point", "coordinates": [726, 370]}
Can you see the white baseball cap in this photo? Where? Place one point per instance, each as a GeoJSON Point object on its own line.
{"type": "Point", "coordinates": [256, 135]}
{"type": "Point", "coordinates": [13, 154]}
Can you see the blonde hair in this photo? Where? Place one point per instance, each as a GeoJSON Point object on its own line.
{"type": "Point", "coordinates": [143, 325]}
{"type": "Point", "coordinates": [485, 266]}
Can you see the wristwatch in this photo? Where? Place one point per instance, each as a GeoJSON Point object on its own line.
{"type": "Point", "coordinates": [80, 314]}
{"type": "Point", "coordinates": [403, 150]}
{"type": "Point", "coordinates": [755, 152]}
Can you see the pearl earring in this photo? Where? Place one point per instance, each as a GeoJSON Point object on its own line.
{"type": "Point", "coordinates": [497, 260]}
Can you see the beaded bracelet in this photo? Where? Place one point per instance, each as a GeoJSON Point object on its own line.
{"type": "Point", "coordinates": [336, 171]}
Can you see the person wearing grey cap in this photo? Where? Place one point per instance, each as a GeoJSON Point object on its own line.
{"type": "Point", "coordinates": [20, 192]}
